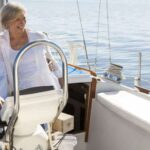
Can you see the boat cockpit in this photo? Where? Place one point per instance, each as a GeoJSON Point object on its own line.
{"type": "Point", "coordinates": [90, 112]}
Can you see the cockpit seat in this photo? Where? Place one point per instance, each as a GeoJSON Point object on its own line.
{"type": "Point", "coordinates": [36, 108]}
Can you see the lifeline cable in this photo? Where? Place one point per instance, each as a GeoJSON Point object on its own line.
{"type": "Point", "coordinates": [97, 42]}
{"type": "Point", "coordinates": [108, 28]}
{"type": "Point", "coordinates": [87, 59]}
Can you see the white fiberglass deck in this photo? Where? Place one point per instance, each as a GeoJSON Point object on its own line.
{"type": "Point", "coordinates": [120, 120]}
{"type": "Point", "coordinates": [132, 107]}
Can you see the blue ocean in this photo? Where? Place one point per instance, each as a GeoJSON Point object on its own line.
{"type": "Point", "coordinates": [128, 23]}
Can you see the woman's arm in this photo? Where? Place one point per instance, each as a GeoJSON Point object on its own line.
{"type": "Point", "coordinates": [53, 65]}
{"type": "Point", "coordinates": [3, 78]}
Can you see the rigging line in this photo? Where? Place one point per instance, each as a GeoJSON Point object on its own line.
{"type": "Point", "coordinates": [109, 45]}
{"type": "Point", "coordinates": [97, 42]}
{"type": "Point", "coordinates": [85, 48]}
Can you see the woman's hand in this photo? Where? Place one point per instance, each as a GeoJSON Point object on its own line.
{"type": "Point", "coordinates": [51, 65]}
{"type": "Point", "coordinates": [61, 82]}
{"type": "Point", "coordinates": [1, 102]}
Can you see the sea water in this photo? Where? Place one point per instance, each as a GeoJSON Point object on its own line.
{"type": "Point", "coordinates": [128, 23]}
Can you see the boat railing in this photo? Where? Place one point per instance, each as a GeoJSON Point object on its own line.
{"type": "Point", "coordinates": [23, 50]}
{"type": "Point", "coordinates": [138, 79]}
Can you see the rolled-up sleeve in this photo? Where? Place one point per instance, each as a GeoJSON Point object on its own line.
{"type": "Point", "coordinates": [3, 78]}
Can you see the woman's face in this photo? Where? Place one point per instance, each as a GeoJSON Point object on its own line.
{"type": "Point", "coordinates": [18, 24]}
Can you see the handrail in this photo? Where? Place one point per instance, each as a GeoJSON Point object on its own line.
{"type": "Point", "coordinates": [87, 70]}
{"type": "Point", "coordinates": [15, 77]}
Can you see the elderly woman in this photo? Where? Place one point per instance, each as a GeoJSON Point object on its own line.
{"type": "Point", "coordinates": [33, 69]}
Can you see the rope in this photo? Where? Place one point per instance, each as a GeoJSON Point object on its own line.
{"type": "Point", "coordinates": [59, 141]}
{"type": "Point", "coordinates": [85, 48]}
{"type": "Point", "coordinates": [108, 33]}
{"type": "Point", "coordinates": [97, 42]}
